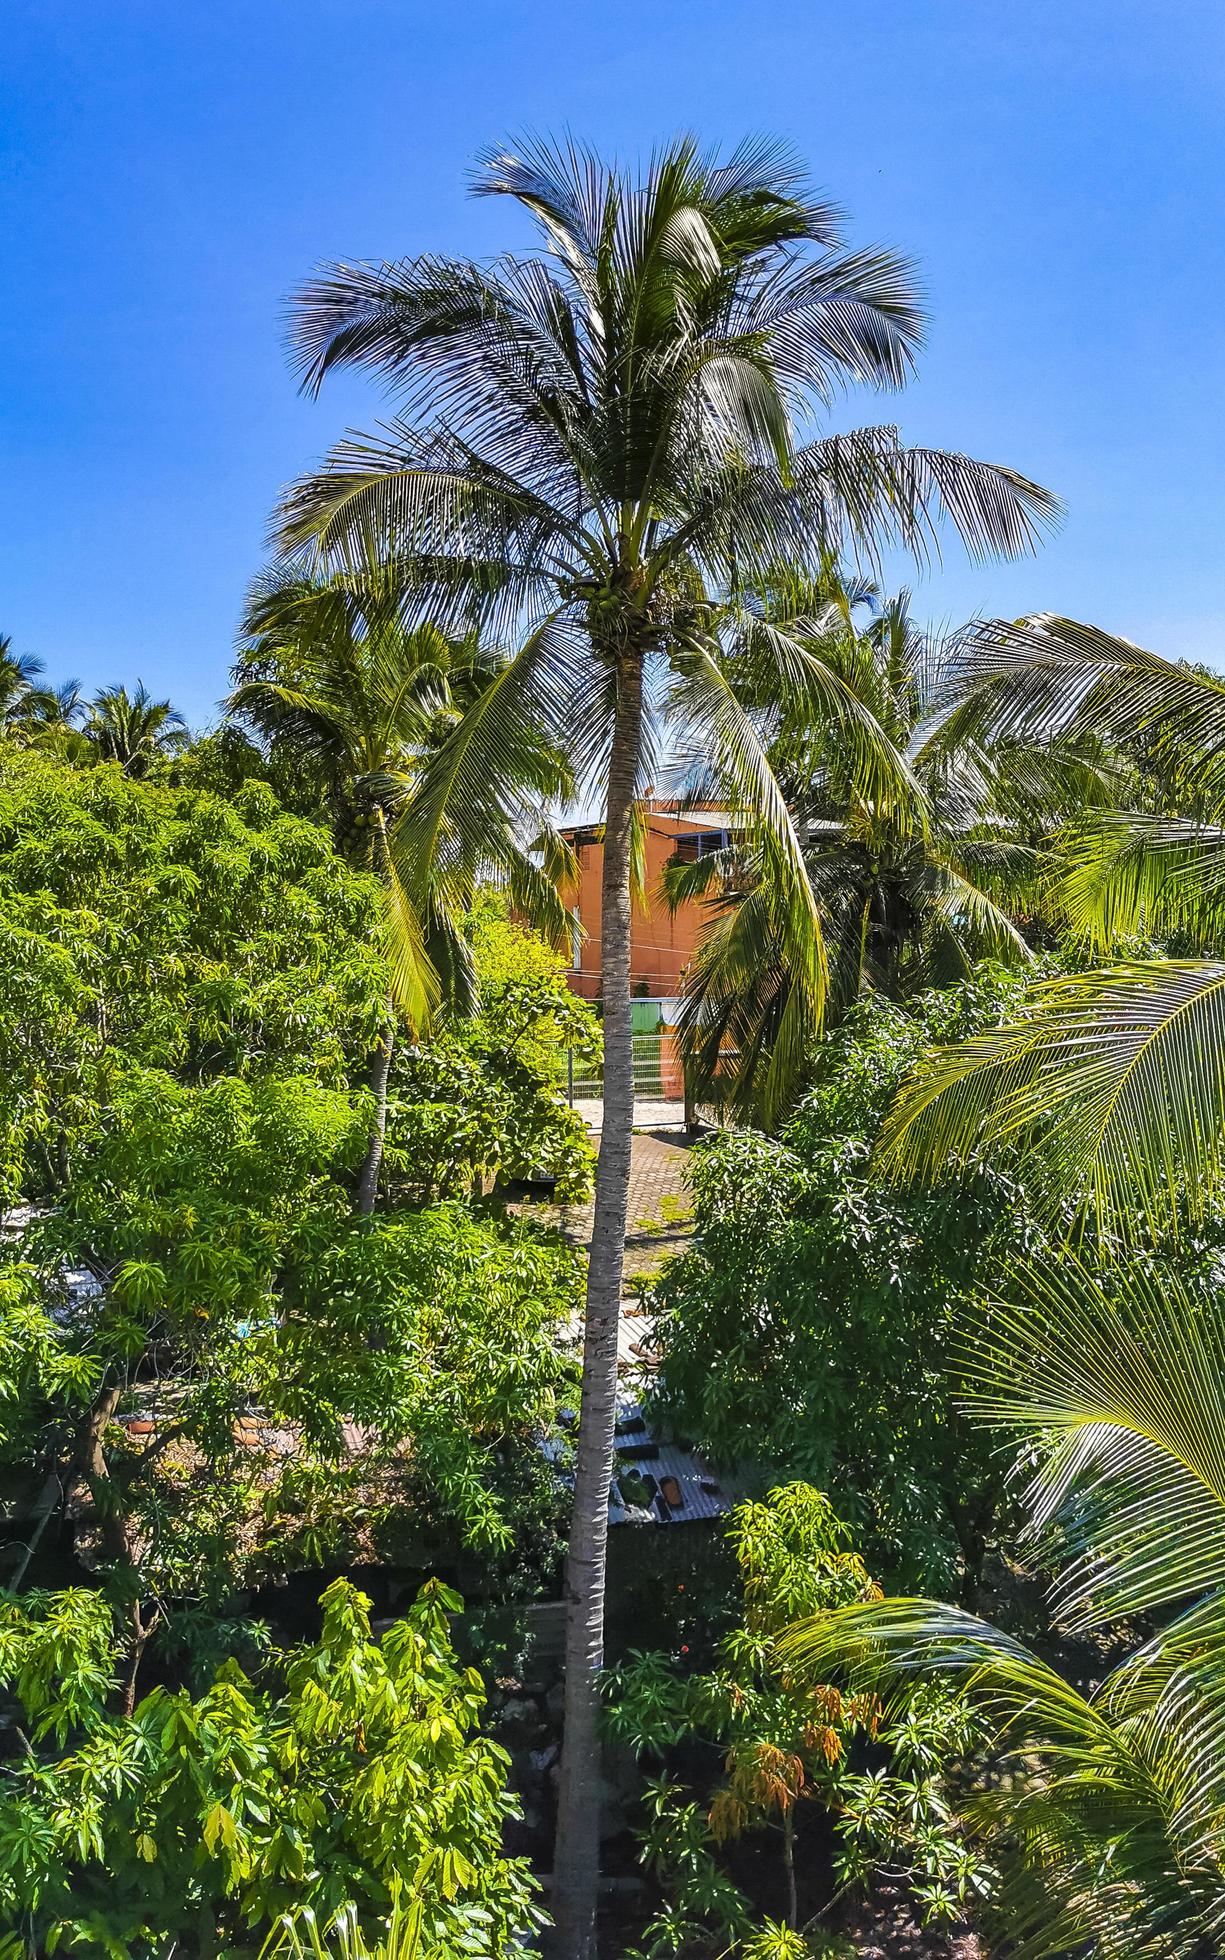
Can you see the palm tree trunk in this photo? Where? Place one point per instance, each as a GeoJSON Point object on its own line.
{"type": "Point", "coordinates": [576, 1861]}
{"type": "Point", "coordinates": [380, 1070]}
{"type": "Point", "coordinates": [380, 1060]}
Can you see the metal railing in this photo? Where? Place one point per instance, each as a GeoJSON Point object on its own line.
{"type": "Point", "coordinates": [656, 1077]}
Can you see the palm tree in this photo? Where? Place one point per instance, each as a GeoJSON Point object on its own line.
{"type": "Point", "coordinates": [911, 893]}
{"type": "Point", "coordinates": [332, 676]}
{"type": "Point", "coordinates": [53, 718]}
{"type": "Point", "coordinates": [19, 674]}
{"type": "Point", "coordinates": [133, 729]}
{"type": "Point", "coordinates": [1106, 1816]}
{"type": "Point", "coordinates": [599, 449]}
{"type": "Point", "coordinates": [1112, 1086]}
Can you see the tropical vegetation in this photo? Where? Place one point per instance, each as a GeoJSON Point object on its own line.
{"type": "Point", "coordinates": [298, 1353]}
{"type": "Point", "coordinates": [603, 449]}
{"type": "Point", "coordinates": [806, 1331]}
{"type": "Point", "coordinates": [335, 1779]}
{"type": "Point", "coordinates": [911, 892]}
{"type": "Point", "coordinates": [1102, 1818]}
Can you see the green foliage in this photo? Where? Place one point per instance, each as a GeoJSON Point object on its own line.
{"type": "Point", "coordinates": [349, 1776]}
{"type": "Point", "coordinates": [1108, 1085]}
{"type": "Point", "coordinates": [788, 1742]}
{"type": "Point", "coordinates": [1104, 1810]}
{"type": "Point", "coordinates": [438, 1329]}
{"type": "Point", "coordinates": [480, 1097]}
{"type": "Point", "coordinates": [911, 888]}
{"type": "Point", "coordinates": [57, 1658]}
{"type": "Point", "coordinates": [225, 759]}
{"type": "Point", "coordinates": [807, 1330]}
{"type": "Point", "coordinates": [342, 1938]}
{"type": "Point", "coordinates": [238, 1269]}
{"type": "Point", "coordinates": [189, 989]}
{"type": "Point", "coordinates": [178, 931]}
{"type": "Point", "coordinates": [169, 930]}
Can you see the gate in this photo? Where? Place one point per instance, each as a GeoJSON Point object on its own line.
{"type": "Point", "coordinates": [658, 1079]}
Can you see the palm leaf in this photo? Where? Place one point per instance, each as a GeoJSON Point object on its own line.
{"type": "Point", "coordinates": [1047, 675]}
{"type": "Point", "coordinates": [1111, 1092]}
{"type": "Point", "coordinates": [1124, 1385]}
{"type": "Point", "coordinates": [1109, 1823]}
{"type": "Point", "coordinates": [1128, 873]}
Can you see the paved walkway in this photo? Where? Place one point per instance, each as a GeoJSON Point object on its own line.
{"type": "Point", "coordinates": [662, 1113]}
{"type": "Point", "coordinates": [658, 1220]}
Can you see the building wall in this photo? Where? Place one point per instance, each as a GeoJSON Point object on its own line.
{"type": "Point", "coordinates": [662, 944]}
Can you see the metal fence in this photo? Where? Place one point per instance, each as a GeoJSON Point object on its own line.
{"type": "Point", "coordinates": [656, 1072]}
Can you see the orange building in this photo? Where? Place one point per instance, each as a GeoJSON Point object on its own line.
{"type": "Point", "coordinates": [662, 943]}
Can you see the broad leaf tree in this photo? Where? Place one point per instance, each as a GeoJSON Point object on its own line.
{"type": "Point", "coordinates": [806, 1330]}
{"type": "Point", "coordinates": [789, 1745]}
{"type": "Point", "coordinates": [188, 992]}
{"type": "Point", "coordinates": [346, 1775]}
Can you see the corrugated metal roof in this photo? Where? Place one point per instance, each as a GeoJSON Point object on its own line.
{"type": "Point", "coordinates": [655, 1480]}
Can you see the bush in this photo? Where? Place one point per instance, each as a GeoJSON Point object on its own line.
{"type": "Point", "coordinates": [806, 1333]}
{"type": "Point", "coordinates": [349, 1775]}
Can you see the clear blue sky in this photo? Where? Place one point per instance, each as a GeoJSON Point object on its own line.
{"type": "Point", "coordinates": [169, 170]}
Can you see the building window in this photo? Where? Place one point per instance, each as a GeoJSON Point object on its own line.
{"type": "Point", "coordinates": [699, 844]}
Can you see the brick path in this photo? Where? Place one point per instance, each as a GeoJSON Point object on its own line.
{"type": "Point", "coordinates": [658, 1193]}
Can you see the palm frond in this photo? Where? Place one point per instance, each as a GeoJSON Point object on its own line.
{"type": "Point", "coordinates": [469, 804]}
{"type": "Point", "coordinates": [787, 663]}
{"type": "Point", "coordinates": [1129, 873]}
{"type": "Point", "coordinates": [1046, 676]}
{"type": "Point", "coordinates": [1111, 1092]}
{"type": "Point", "coordinates": [707, 707]}
{"type": "Point", "coordinates": [866, 490]}
{"type": "Point", "coordinates": [966, 908]}
{"type": "Point", "coordinates": [1123, 1383]}
{"type": "Point", "coordinates": [1104, 1815]}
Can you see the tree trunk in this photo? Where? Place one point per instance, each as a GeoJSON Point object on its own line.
{"type": "Point", "coordinates": [380, 1060]}
{"type": "Point", "coordinates": [576, 1861]}
{"type": "Point", "coordinates": [116, 1531]}
{"type": "Point", "coordinates": [380, 1070]}
{"type": "Point", "coordinates": [793, 1904]}
{"type": "Point", "coordinates": [140, 1627]}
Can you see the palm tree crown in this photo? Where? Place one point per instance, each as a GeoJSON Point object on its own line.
{"type": "Point", "coordinates": [329, 671]}
{"type": "Point", "coordinates": [332, 674]}
{"type": "Point", "coordinates": [133, 729]}
{"type": "Point", "coordinates": [597, 447]}
{"type": "Point", "coordinates": [19, 674]}
{"type": "Point", "coordinates": [910, 890]}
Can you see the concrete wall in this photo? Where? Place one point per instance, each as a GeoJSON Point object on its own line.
{"type": "Point", "coordinates": [662, 943]}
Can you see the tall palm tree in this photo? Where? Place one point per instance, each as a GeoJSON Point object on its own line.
{"type": "Point", "coordinates": [1106, 1816]}
{"type": "Point", "coordinates": [133, 729]}
{"type": "Point", "coordinates": [597, 450]}
{"type": "Point", "coordinates": [910, 893]}
{"type": "Point", "coordinates": [332, 675]}
{"type": "Point", "coordinates": [1112, 1086]}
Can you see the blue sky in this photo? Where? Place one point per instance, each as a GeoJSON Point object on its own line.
{"type": "Point", "coordinates": [169, 171]}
